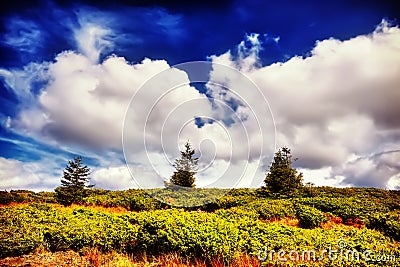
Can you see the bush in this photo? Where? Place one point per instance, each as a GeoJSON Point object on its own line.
{"type": "Point", "coordinates": [212, 236]}
{"type": "Point", "coordinates": [348, 209]}
{"type": "Point", "coordinates": [273, 209]}
{"type": "Point", "coordinates": [388, 223]}
{"type": "Point", "coordinates": [309, 217]}
{"type": "Point", "coordinates": [28, 227]}
{"type": "Point", "coordinates": [132, 199]}
{"type": "Point", "coordinates": [5, 198]}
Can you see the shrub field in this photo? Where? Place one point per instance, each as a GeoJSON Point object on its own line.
{"type": "Point", "coordinates": [242, 224]}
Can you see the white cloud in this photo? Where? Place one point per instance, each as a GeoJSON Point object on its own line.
{"type": "Point", "coordinates": [92, 41]}
{"type": "Point", "coordinates": [83, 106]}
{"type": "Point", "coordinates": [15, 174]}
{"type": "Point", "coordinates": [246, 58]}
{"type": "Point", "coordinates": [21, 81]}
{"type": "Point", "coordinates": [340, 101]}
{"type": "Point", "coordinates": [337, 109]}
{"type": "Point", "coordinates": [113, 178]}
{"type": "Point", "coordinates": [394, 182]}
{"type": "Point", "coordinates": [84, 103]}
{"type": "Point", "coordinates": [171, 111]}
{"type": "Point", "coordinates": [378, 170]}
{"type": "Point", "coordinates": [321, 177]}
{"type": "Point", "coordinates": [8, 122]}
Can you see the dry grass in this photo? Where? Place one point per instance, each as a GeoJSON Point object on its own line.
{"type": "Point", "coordinates": [94, 258]}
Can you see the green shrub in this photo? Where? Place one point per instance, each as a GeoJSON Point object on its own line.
{"type": "Point", "coordinates": [309, 217]}
{"type": "Point", "coordinates": [5, 198]}
{"type": "Point", "coordinates": [349, 208]}
{"type": "Point", "coordinates": [273, 209]}
{"type": "Point", "coordinates": [389, 223]}
{"type": "Point", "coordinates": [221, 234]}
{"type": "Point", "coordinates": [237, 213]}
{"type": "Point", "coordinates": [132, 199]}
{"type": "Point", "coordinates": [29, 227]}
{"type": "Point", "coordinates": [218, 235]}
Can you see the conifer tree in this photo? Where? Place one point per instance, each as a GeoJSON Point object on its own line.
{"type": "Point", "coordinates": [73, 183]}
{"type": "Point", "coordinates": [282, 178]}
{"type": "Point", "coordinates": [186, 168]}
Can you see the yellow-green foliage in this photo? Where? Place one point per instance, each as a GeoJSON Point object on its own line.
{"type": "Point", "coordinates": [27, 227]}
{"type": "Point", "coordinates": [347, 207]}
{"type": "Point", "coordinates": [389, 223]}
{"type": "Point", "coordinates": [236, 224]}
{"type": "Point", "coordinates": [269, 209]}
{"type": "Point", "coordinates": [221, 234]}
{"type": "Point", "coordinates": [310, 217]}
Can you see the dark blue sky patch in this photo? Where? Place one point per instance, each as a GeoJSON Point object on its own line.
{"type": "Point", "coordinates": [180, 32]}
{"type": "Point", "coordinates": [8, 100]}
{"type": "Point", "coordinates": [200, 122]}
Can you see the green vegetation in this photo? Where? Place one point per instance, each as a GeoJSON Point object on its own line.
{"type": "Point", "coordinates": [282, 179]}
{"type": "Point", "coordinates": [74, 183]}
{"type": "Point", "coordinates": [310, 217]}
{"type": "Point", "coordinates": [388, 223]}
{"type": "Point", "coordinates": [186, 168]}
{"type": "Point", "coordinates": [242, 222]}
{"type": "Point", "coordinates": [24, 196]}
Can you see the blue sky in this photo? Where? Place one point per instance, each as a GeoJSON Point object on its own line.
{"type": "Point", "coordinates": [328, 70]}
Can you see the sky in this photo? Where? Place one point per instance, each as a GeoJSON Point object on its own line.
{"type": "Point", "coordinates": [126, 84]}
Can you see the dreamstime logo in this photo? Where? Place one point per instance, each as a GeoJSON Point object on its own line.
{"type": "Point", "coordinates": [340, 253]}
{"type": "Point", "coordinates": [221, 111]}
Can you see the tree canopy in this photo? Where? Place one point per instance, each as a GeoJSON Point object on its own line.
{"type": "Point", "coordinates": [282, 178]}
{"type": "Point", "coordinates": [73, 183]}
{"type": "Point", "coordinates": [186, 168]}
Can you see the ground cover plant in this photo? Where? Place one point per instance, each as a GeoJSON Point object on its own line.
{"type": "Point", "coordinates": [243, 224]}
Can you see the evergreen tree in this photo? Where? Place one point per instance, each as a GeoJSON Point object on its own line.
{"type": "Point", "coordinates": [73, 183]}
{"type": "Point", "coordinates": [186, 168]}
{"type": "Point", "coordinates": [282, 178]}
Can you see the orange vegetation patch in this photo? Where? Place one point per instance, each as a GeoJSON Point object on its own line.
{"type": "Point", "coordinates": [286, 221]}
{"type": "Point", "coordinates": [242, 260]}
{"type": "Point", "coordinates": [94, 258]}
{"type": "Point", "coordinates": [97, 259]}
{"type": "Point", "coordinates": [103, 209]}
{"type": "Point", "coordinates": [62, 259]}
{"type": "Point", "coordinates": [335, 221]}
{"type": "Point", "coordinates": [13, 204]}
{"type": "Point", "coordinates": [332, 222]}
{"type": "Point", "coordinates": [357, 223]}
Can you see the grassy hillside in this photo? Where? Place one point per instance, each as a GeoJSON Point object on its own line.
{"type": "Point", "coordinates": [245, 225]}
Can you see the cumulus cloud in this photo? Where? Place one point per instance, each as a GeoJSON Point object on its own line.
{"type": "Point", "coordinates": [378, 170]}
{"type": "Point", "coordinates": [83, 104]}
{"type": "Point", "coordinates": [82, 99]}
{"type": "Point", "coordinates": [92, 41]}
{"type": "Point", "coordinates": [114, 178]}
{"type": "Point", "coordinates": [15, 174]}
{"type": "Point", "coordinates": [337, 109]}
{"type": "Point", "coordinates": [338, 103]}
{"type": "Point", "coordinates": [168, 108]}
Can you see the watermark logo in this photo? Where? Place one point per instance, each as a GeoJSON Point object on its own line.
{"type": "Point", "coordinates": [341, 252]}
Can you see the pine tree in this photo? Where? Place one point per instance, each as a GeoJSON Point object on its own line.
{"type": "Point", "coordinates": [282, 178]}
{"type": "Point", "coordinates": [186, 168]}
{"type": "Point", "coordinates": [73, 183]}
